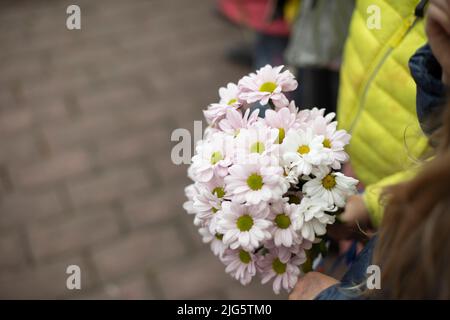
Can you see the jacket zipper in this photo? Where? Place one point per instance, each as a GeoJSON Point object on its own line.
{"type": "Point", "coordinates": [392, 44]}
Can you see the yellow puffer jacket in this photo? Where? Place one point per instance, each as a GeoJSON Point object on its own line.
{"type": "Point", "coordinates": [377, 97]}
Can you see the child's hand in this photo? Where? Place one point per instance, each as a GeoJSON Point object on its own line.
{"type": "Point", "coordinates": [356, 211]}
{"type": "Point", "coordinates": [438, 32]}
{"type": "Point", "coordinates": [310, 285]}
{"type": "Point", "coordinates": [354, 218]}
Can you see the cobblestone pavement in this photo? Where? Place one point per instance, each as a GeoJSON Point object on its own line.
{"type": "Point", "coordinates": [85, 170]}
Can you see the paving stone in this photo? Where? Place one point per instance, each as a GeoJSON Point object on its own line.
{"type": "Point", "coordinates": [146, 248]}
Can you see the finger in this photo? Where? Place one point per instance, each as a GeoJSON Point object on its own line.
{"type": "Point", "coordinates": [297, 291]}
{"type": "Point", "coordinates": [437, 15]}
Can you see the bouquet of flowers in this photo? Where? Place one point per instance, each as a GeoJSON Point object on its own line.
{"type": "Point", "coordinates": [267, 186]}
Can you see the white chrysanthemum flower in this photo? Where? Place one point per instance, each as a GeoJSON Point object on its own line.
{"type": "Point", "coordinates": [283, 120]}
{"type": "Point", "coordinates": [333, 187]}
{"type": "Point", "coordinates": [212, 222]}
{"type": "Point", "coordinates": [259, 139]}
{"type": "Point", "coordinates": [267, 83]}
{"type": "Point", "coordinates": [315, 113]}
{"type": "Point", "coordinates": [301, 150]}
{"type": "Point", "coordinates": [209, 132]}
{"type": "Point", "coordinates": [312, 220]}
{"type": "Point", "coordinates": [281, 265]}
{"type": "Point", "coordinates": [241, 264]}
{"type": "Point", "coordinates": [213, 157]}
{"type": "Point", "coordinates": [229, 98]}
{"type": "Point", "coordinates": [215, 241]}
{"type": "Point", "coordinates": [243, 226]}
{"type": "Point", "coordinates": [256, 182]}
{"type": "Point", "coordinates": [208, 198]}
{"type": "Point", "coordinates": [334, 140]}
{"type": "Point", "coordinates": [190, 191]}
{"type": "Point", "coordinates": [234, 121]}
{"type": "Point", "coordinates": [284, 216]}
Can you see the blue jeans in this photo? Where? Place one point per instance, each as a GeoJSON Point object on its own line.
{"type": "Point", "coordinates": [355, 275]}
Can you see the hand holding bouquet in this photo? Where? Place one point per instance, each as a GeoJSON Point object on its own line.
{"type": "Point", "coordinates": [265, 188]}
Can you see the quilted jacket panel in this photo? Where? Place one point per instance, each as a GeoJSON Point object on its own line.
{"type": "Point", "coordinates": [377, 97]}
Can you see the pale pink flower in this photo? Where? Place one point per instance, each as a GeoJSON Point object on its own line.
{"type": "Point", "coordinates": [255, 182]}
{"type": "Point", "coordinates": [234, 121]}
{"type": "Point", "coordinates": [281, 265]}
{"type": "Point", "coordinates": [316, 112]}
{"type": "Point", "coordinates": [243, 226]}
{"type": "Point", "coordinates": [208, 198]}
{"type": "Point", "coordinates": [241, 264]}
{"type": "Point", "coordinates": [284, 216]}
{"type": "Point", "coordinates": [266, 84]}
{"type": "Point", "coordinates": [229, 99]}
{"type": "Point", "coordinates": [215, 241]}
{"type": "Point", "coordinates": [213, 157]}
{"type": "Point", "coordinates": [259, 139]}
{"type": "Point", "coordinates": [283, 120]}
{"type": "Point", "coordinates": [334, 140]}
{"type": "Point", "coordinates": [190, 191]}
{"type": "Point", "coordinates": [301, 116]}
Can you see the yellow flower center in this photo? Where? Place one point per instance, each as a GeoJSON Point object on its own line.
{"type": "Point", "coordinates": [268, 87]}
{"type": "Point", "coordinates": [216, 157]}
{"type": "Point", "coordinates": [219, 236]}
{"type": "Point", "coordinates": [326, 143]}
{"type": "Point", "coordinates": [255, 181]}
{"type": "Point", "coordinates": [244, 223]}
{"type": "Point", "coordinates": [219, 192]}
{"type": "Point", "coordinates": [282, 221]}
{"type": "Point", "coordinates": [328, 182]}
{"type": "Point", "coordinates": [304, 149]}
{"type": "Point", "coordinates": [232, 101]}
{"type": "Point", "coordinates": [257, 147]}
{"type": "Point", "coordinates": [244, 256]}
{"type": "Point", "coordinates": [281, 135]}
{"type": "Point", "coordinates": [278, 266]}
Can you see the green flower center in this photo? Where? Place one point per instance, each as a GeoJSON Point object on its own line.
{"type": "Point", "coordinates": [304, 149]}
{"type": "Point", "coordinates": [257, 147]}
{"type": "Point", "coordinates": [294, 199]}
{"type": "Point", "coordinates": [232, 101]}
{"type": "Point", "coordinates": [328, 182]}
{"type": "Point", "coordinates": [278, 266]}
{"type": "Point", "coordinates": [244, 223]}
{"type": "Point", "coordinates": [281, 135]}
{"type": "Point", "coordinates": [244, 256]}
{"type": "Point", "coordinates": [326, 143]}
{"type": "Point", "coordinates": [214, 210]}
{"type": "Point", "coordinates": [268, 87]}
{"type": "Point", "coordinates": [255, 181]}
{"type": "Point", "coordinates": [219, 236]}
{"type": "Point", "coordinates": [219, 192]}
{"type": "Point", "coordinates": [282, 221]}
{"type": "Point", "coordinates": [216, 157]}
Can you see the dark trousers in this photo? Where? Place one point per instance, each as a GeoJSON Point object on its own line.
{"type": "Point", "coordinates": [317, 87]}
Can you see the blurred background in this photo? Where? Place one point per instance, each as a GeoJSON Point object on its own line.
{"type": "Point", "coordinates": [85, 122]}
